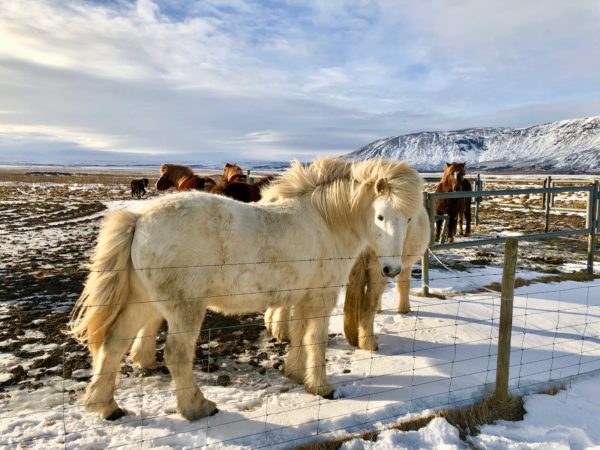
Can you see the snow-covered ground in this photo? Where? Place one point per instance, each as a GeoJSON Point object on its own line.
{"type": "Point", "coordinates": [568, 420]}
{"type": "Point", "coordinates": [442, 354]}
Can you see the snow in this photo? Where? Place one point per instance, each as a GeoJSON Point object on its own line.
{"type": "Point", "coordinates": [442, 354]}
{"type": "Point", "coordinates": [568, 420]}
{"type": "Point", "coordinates": [569, 145]}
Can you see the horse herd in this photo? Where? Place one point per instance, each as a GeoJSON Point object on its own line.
{"type": "Point", "coordinates": [233, 183]}
{"type": "Point", "coordinates": [286, 249]}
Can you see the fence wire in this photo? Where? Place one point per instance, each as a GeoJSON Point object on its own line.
{"type": "Point", "coordinates": [442, 354]}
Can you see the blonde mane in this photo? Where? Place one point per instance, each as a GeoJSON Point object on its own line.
{"type": "Point", "coordinates": [340, 188]}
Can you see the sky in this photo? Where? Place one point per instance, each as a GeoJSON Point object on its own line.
{"type": "Point", "coordinates": [210, 81]}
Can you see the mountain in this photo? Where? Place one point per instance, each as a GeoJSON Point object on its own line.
{"type": "Point", "coordinates": [568, 146]}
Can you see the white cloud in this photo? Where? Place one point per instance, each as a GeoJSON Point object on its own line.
{"type": "Point", "coordinates": [291, 78]}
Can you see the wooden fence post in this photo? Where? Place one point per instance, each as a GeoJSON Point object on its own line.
{"type": "Point", "coordinates": [544, 186]}
{"type": "Point", "coordinates": [430, 207]}
{"type": "Point", "coordinates": [506, 315]}
{"type": "Point", "coordinates": [590, 223]}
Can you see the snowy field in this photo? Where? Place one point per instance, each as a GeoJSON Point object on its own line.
{"type": "Point", "coordinates": [442, 354]}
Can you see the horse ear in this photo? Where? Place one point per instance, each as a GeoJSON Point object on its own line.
{"type": "Point", "coordinates": [447, 164]}
{"type": "Point", "coordinates": [381, 186]}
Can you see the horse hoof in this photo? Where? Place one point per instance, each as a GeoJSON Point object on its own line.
{"type": "Point", "coordinates": [116, 414]}
{"type": "Point", "coordinates": [330, 396]}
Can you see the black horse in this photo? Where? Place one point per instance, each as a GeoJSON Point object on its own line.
{"type": "Point", "coordinates": [138, 187]}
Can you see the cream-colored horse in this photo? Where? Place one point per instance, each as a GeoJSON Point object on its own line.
{"type": "Point", "coordinates": [365, 286]}
{"type": "Point", "coordinates": [188, 251]}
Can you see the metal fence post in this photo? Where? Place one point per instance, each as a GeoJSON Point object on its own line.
{"type": "Point", "coordinates": [478, 188]}
{"type": "Point", "coordinates": [429, 205]}
{"type": "Point", "coordinates": [590, 224]}
{"type": "Point", "coordinates": [547, 198]}
{"type": "Point", "coordinates": [506, 315]}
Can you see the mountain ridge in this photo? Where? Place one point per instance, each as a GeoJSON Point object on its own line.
{"type": "Point", "coordinates": [568, 146]}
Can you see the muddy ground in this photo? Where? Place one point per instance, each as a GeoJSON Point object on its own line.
{"type": "Point", "coordinates": [49, 220]}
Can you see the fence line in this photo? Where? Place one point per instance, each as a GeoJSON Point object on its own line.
{"type": "Point", "coordinates": [458, 388]}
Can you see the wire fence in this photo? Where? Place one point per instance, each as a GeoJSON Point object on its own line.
{"type": "Point", "coordinates": [442, 354]}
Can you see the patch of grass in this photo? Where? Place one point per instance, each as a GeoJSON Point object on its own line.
{"type": "Point", "coordinates": [431, 294]}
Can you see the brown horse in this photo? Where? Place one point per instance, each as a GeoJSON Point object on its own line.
{"type": "Point", "coordinates": [233, 172]}
{"type": "Point", "coordinates": [243, 192]}
{"type": "Point", "coordinates": [452, 181]}
{"type": "Point", "coordinates": [182, 178]}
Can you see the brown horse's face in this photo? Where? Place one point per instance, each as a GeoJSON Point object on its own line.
{"type": "Point", "coordinates": [453, 175]}
{"type": "Point", "coordinates": [231, 171]}
{"type": "Point", "coordinates": [163, 183]}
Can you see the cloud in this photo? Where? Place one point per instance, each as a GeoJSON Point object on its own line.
{"type": "Point", "coordinates": [247, 79]}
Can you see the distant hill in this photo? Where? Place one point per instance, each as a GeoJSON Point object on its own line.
{"type": "Point", "coordinates": [568, 146]}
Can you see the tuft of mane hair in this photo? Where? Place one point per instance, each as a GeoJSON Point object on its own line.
{"type": "Point", "coordinates": [357, 180]}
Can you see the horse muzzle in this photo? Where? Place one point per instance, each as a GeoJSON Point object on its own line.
{"type": "Point", "coordinates": [390, 272]}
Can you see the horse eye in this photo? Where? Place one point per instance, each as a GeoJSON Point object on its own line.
{"type": "Point", "coordinates": [409, 219]}
{"type": "Point", "coordinates": [379, 217]}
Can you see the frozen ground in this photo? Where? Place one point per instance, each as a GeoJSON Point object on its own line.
{"type": "Point", "coordinates": [441, 354]}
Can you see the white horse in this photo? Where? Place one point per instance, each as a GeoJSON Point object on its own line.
{"type": "Point", "coordinates": [365, 287]}
{"type": "Point", "coordinates": [188, 251]}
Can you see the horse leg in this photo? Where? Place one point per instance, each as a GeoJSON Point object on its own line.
{"type": "Point", "coordinates": [451, 227]}
{"type": "Point", "coordinates": [107, 356]}
{"type": "Point", "coordinates": [294, 367]}
{"type": "Point", "coordinates": [468, 217]}
{"type": "Point", "coordinates": [403, 284]}
{"type": "Point", "coordinates": [370, 302]}
{"type": "Point", "coordinates": [438, 228]}
{"type": "Point", "coordinates": [180, 351]}
{"type": "Point", "coordinates": [315, 344]}
{"type": "Point", "coordinates": [143, 350]}
{"type": "Point", "coordinates": [277, 322]}
{"type": "Point", "coordinates": [354, 294]}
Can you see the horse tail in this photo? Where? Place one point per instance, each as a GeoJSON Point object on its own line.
{"type": "Point", "coordinates": [107, 286]}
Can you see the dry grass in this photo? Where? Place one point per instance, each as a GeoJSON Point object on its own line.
{"type": "Point", "coordinates": [431, 294]}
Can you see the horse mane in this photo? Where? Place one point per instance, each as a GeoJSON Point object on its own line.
{"type": "Point", "coordinates": [176, 171]}
{"type": "Point", "coordinates": [333, 184]}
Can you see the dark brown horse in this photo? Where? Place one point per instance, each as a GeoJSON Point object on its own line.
{"type": "Point", "coordinates": [182, 178]}
{"type": "Point", "coordinates": [453, 180]}
{"type": "Point", "coordinates": [138, 187]}
{"type": "Point", "coordinates": [243, 192]}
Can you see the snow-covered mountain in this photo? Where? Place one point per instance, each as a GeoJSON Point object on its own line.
{"type": "Point", "coordinates": [565, 146]}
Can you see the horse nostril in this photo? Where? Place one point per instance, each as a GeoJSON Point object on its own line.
{"type": "Point", "coordinates": [386, 270]}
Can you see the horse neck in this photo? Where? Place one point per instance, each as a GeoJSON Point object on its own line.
{"type": "Point", "coordinates": [448, 185]}
{"type": "Point", "coordinates": [180, 180]}
{"type": "Point", "coordinates": [350, 232]}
